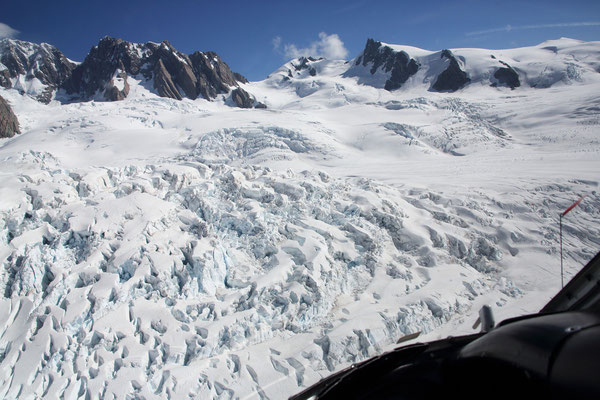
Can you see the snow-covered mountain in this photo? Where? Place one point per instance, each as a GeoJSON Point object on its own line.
{"type": "Point", "coordinates": [113, 66]}
{"type": "Point", "coordinates": [110, 65]}
{"type": "Point", "coordinates": [160, 247]}
{"type": "Point", "coordinates": [406, 68]}
{"type": "Point", "coordinates": [34, 69]}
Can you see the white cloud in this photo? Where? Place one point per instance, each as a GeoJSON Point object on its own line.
{"type": "Point", "coordinates": [509, 28]}
{"type": "Point", "coordinates": [328, 46]}
{"type": "Point", "coordinates": [7, 32]}
{"type": "Point", "coordinates": [276, 42]}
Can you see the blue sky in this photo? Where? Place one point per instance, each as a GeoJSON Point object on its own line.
{"type": "Point", "coordinates": [256, 37]}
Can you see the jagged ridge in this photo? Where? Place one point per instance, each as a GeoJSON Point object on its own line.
{"type": "Point", "coordinates": [392, 67]}
{"type": "Point", "coordinates": [39, 70]}
{"type": "Point", "coordinates": [172, 73]}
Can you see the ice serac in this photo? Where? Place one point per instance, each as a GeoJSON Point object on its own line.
{"type": "Point", "coordinates": [399, 63]}
{"type": "Point", "coordinates": [33, 69]}
{"type": "Point", "coordinates": [453, 77]}
{"type": "Point", "coordinates": [9, 125]}
{"type": "Point", "coordinates": [164, 249]}
{"type": "Point", "coordinates": [171, 73]}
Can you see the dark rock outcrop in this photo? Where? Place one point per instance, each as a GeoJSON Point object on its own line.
{"type": "Point", "coordinates": [173, 74]}
{"type": "Point", "coordinates": [241, 98]}
{"type": "Point", "coordinates": [9, 125]}
{"type": "Point", "coordinates": [507, 76]}
{"type": "Point", "coordinates": [398, 63]}
{"type": "Point", "coordinates": [453, 77]}
{"type": "Point", "coordinates": [300, 64]}
{"type": "Point", "coordinates": [28, 61]}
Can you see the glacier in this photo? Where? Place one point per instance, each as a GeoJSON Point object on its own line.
{"type": "Point", "coordinates": [155, 248]}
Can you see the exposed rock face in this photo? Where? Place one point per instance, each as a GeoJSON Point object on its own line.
{"type": "Point", "coordinates": [453, 77]}
{"type": "Point", "coordinates": [178, 66]}
{"type": "Point", "coordinates": [163, 83]}
{"type": "Point", "coordinates": [173, 74]}
{"type": "Point", "coordinates": [507, 76]}
{"type": "Point", "coordinates": [399, 63]}
{"type": "Point", "coordinates": [5, 79]}
{"type": "Point", "coordinates": [9, 125]}
{"type": "Point", "coordinates": [241, 98]}
{"type": "Point", "coordinates": [23, 62]}
{"type": "Point", "coordinates": [214, 76]}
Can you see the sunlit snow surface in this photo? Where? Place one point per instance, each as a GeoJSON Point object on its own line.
{"type": "Point", "coordinates": [154, 248]}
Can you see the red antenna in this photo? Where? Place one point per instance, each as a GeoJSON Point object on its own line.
{"type": "Point", "coordinates": [562, 284]}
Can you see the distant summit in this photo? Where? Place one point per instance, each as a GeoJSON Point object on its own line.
{"type": "Point", "coordinates": [394, 67]}
{"type": "Point", "coordinates": [397, 63]}
{"type": "Point", "coordinates": [441, 71]}
{"type": "Point", "coordinates": [400, 68]}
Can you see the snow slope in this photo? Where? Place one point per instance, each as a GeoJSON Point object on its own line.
{"type": "Point", "coordinates": [155, 248]}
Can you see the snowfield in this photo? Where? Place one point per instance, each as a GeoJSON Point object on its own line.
{"type": "Point", "coordinates": [155, 248]}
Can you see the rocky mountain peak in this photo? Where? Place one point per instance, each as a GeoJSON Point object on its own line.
{"type": "Point", "coordinates": [34, 69]}
{"type": "Point", "coordinates": [173, 74]}
{"type": "Point", "coordinates": [95, 74]}
{"type": "Point", "coordinates": [453, 77]}
{"type": "Point", "coordinates": [384, 58]}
